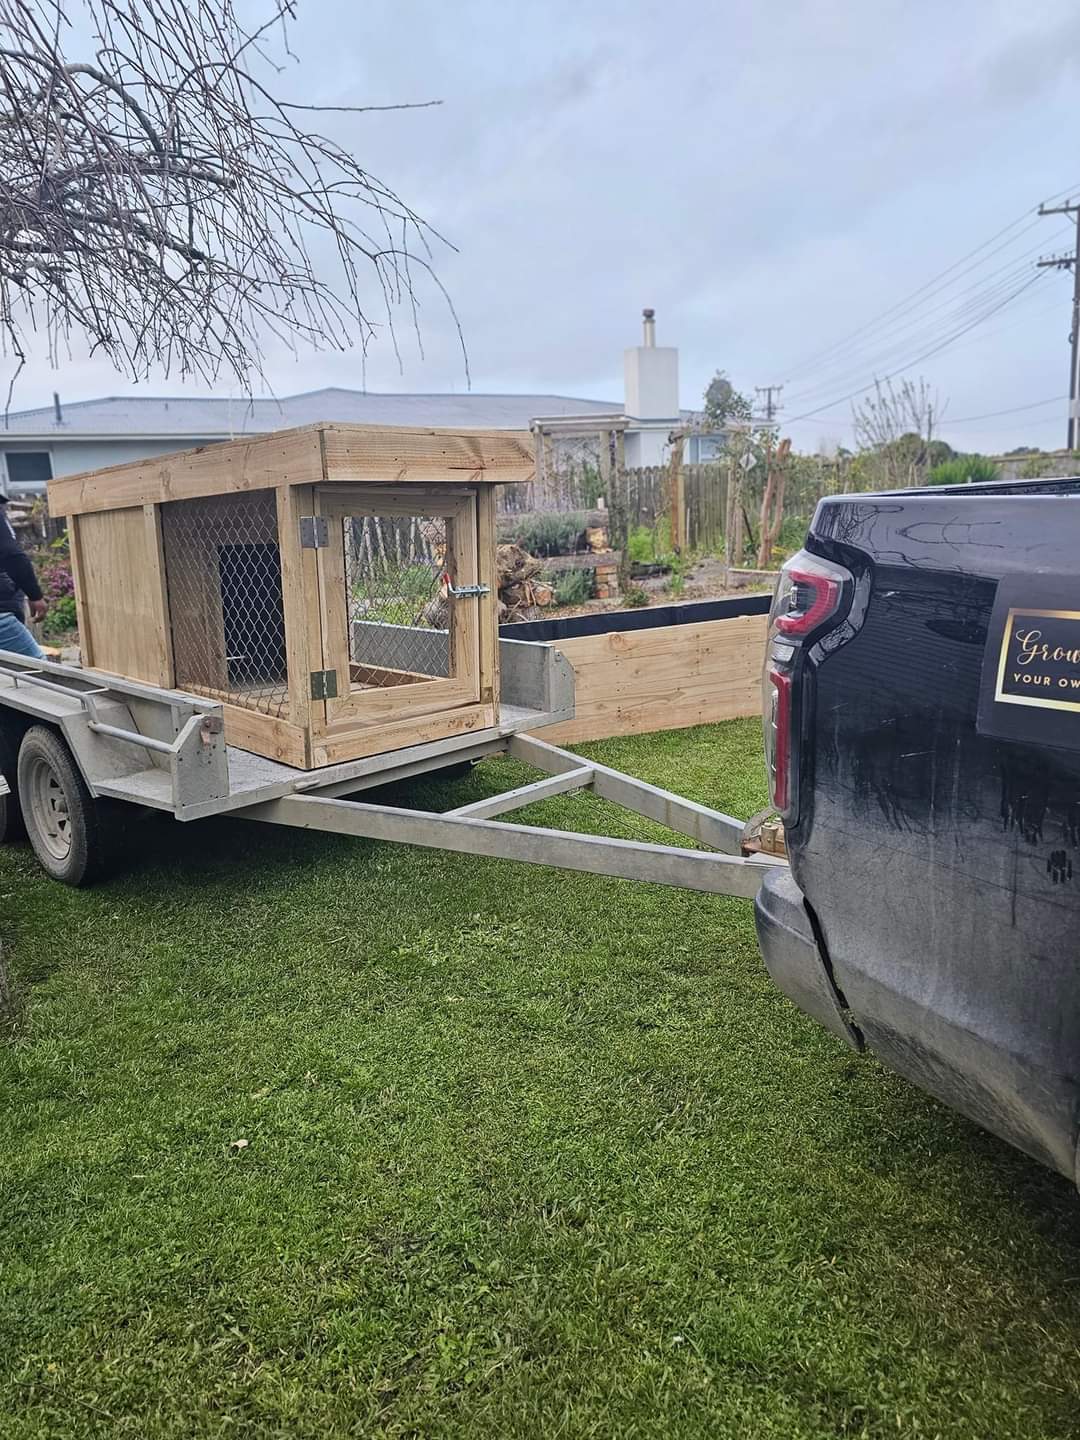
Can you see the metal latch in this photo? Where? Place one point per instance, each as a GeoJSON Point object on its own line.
{"type": "Point", "coordinates": [464, 592]}
{"type": "Point", "coordinates": [324, 684]}
{"type": "Point", "coordinates": [314, 532]}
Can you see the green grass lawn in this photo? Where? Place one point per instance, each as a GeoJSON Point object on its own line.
{"type": "Point", "coordinates": [527, 1153]}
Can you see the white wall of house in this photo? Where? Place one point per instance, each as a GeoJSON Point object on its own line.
{"type": "Point", "coordinates": [73, 457]}
{"type": "Point", "coordinates": [651, 374]}
{"type": "Point", "coordinates": [652, 382]}
{"type": "Point", "coordinates": [648, 446]}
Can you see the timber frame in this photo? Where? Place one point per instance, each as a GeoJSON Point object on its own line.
{"type": "Point", "coordinates": [151, 543]}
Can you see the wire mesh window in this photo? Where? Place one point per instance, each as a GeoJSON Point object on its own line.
{"type": "Point", "coordinates": [399, 620]}
{"type": "Point", "coordinates": [223, 571]}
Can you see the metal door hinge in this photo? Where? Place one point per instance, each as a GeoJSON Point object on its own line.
{"type": "Point", "coordinates": [314, 532]}
{"type": "Point", "coordinates": [324, 684]}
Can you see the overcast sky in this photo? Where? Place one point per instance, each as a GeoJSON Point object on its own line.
{"type": "Point", "coordinates": [769, 176]}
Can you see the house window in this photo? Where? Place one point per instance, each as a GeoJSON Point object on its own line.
{"type": "Point", "coordinates": [28, 471]}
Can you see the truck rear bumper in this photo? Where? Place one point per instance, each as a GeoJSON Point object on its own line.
{"type": "Point", "coordinates": [793, 958]}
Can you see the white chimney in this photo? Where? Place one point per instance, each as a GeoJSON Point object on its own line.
{"type": "Point", "coordinates": [652, 376]}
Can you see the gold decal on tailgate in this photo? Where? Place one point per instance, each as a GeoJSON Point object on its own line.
{"type": "Point", "coordinates": [1040, 659]}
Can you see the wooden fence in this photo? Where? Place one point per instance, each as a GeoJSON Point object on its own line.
{"type": "Point", "coordinates": [646, 491]}
{"type": "Point", "coordinates": [648, 497]}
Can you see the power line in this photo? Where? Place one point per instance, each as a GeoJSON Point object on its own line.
{"type": "Point", "coordinates": [1013, 410]}
{"type": "Point", "coordinates": [989, 288]}
{"type": "Point", "coordinates": [934, 350]}
{"type": "Point", "coordinates": [831, 356]}
{"type": "Point", "coordinates": [931, 285]}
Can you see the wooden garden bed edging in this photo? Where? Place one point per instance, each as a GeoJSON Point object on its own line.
{"type": "Point", "coordinates": [633, 680]}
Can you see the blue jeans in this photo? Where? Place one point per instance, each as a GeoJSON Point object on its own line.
{"type": "Point", "coordinates": [15, 636]}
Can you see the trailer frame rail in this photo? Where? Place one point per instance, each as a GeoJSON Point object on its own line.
{"type": "Point", "coordinates": [166, 750]}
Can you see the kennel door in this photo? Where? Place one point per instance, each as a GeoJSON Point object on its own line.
{"type": "Point", "coordinates": [397, 641]}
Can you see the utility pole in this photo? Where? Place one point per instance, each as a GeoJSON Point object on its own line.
{"type": "Point", "coordinates": [771, 405]}
{"type": "Point", "coordinates": [1066, 262]}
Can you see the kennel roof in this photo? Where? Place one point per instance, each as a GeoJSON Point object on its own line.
{"type": "Point", "coordinates": [310, 455]}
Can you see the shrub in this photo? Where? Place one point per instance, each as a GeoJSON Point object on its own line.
{"type": "Point", "coordinates": [963, 470]}
{"type": "Point", "coordinates": [640, 546]}
{"type": "Point", "coordinates": [651, 544]}
{"type": "Point", "coordinates": [636, 597]}
{"type": "Point", "coordinates": [574, 587]}
{"type": "Point", "coordinates": [61, 615]}
{"type": "Point", "coordinates": [556, 532]}
{"type": "Point", "coordinates": [53, 567]}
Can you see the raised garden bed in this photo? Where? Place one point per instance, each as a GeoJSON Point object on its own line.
{"type": "Point", "coordinates": [661, 668]}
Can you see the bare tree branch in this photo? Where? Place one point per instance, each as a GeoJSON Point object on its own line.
{"type": "Point", "coordinates": [895, 424]}
{"type": "Point", "coordinates": [159, 197]}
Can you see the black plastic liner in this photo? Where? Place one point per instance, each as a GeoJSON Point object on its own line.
{"type": "Point", "coordinates": [647, 618]}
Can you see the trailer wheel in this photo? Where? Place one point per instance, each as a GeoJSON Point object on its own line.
{"type": "Point", "coordinates": [11, 821]}
{"type": "Point", "coordinates": [70, 831]}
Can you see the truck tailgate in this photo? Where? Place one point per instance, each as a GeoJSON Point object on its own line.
{"type": "Point", "coordinates": [937, 849]}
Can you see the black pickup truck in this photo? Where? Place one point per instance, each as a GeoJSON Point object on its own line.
{"type": "Point", "coordinates": [922, 716]}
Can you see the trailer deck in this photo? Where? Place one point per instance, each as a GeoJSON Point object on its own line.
{"type": "Point", "coordinates": [166, 750]}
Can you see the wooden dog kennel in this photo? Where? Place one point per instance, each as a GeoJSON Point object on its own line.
{"type": "Point", "coordinates": [333, 586]}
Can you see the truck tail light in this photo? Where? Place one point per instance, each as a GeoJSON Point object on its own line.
{"type": "Point", "coordinates": [809, 595]}
{"type": "Point", "coordinates": [778, 736]}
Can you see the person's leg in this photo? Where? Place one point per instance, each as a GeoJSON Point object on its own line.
{"type": "Point", "coordinates": [16, 637]}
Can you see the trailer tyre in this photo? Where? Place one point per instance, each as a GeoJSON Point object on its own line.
{"type": "Point", "coordinates": [71, 832]}
{"type": "Point", "coordinates": [11, 821]}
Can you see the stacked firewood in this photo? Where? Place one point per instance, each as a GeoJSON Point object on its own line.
{"type": "Point", "coordinates": [519, 588]}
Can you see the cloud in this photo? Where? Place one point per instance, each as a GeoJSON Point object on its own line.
{"type": "Point", "coordinates": [766, 176]}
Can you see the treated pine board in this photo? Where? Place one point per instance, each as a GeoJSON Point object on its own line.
{"type": "Point", "coordinates": [266, 735]}
{"type": "Point", "coordinates": [399, 454]}
{"type": "Point", "coordinates": [387, 454]}
{"type": "Point", "coordinates": [488, 605]}
{"type": "Point", "coordinates": [643, 679]}
{"type": "Point", "coordinates": [300, 604]}
{"type": "Point", "coordinates": [158, 593]}
{"type": "Point", "coordinates": [376, 739]}
{"type": "Point", "coordinates": [120, 587]}
{"type": "Point", "coordinates": [357, 498]}
{"type": "Point", "coordinates": [705, 709]}
{"type": "Point", "coordinates": [82, 614]}
{"type": "Point", "coordinates": [633, 682]}
{"type": "Point", "coordinates": [290, 457]}
{"type": "Point", "coordinates": [662, 642]}
{"type": "Point", "coordinates": [335, 603]}
{"type": "Point", "coordinates": [691, 692]}
{"type": "Point", "coordinates": [369, 707]}
{"type": "Point", "coordinates": [462, 567]}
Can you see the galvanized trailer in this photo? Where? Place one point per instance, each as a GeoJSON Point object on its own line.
{"type": "Point", "coordinates": [79, 746]}
{"type": "Point", "coordinates": [274, 624]}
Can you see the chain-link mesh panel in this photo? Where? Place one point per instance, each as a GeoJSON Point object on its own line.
{"type": "Point", "coordinates": [223, 571]}
{"type": "Point", "coordinates": [399, 615]}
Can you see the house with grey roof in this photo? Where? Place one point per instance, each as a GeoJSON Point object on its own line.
{"type": "Point", "coordinates": [69, 438]}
